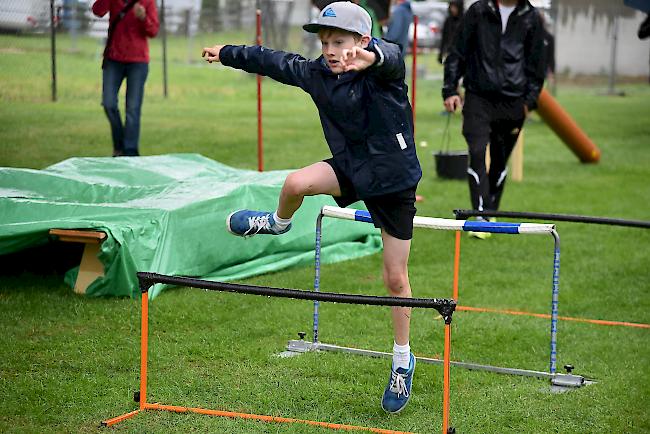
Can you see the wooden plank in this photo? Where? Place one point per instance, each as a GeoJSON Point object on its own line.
{"type": "Point", "coordinates": [91, 267]}
{"type": "Point", "coordinates": [77, 236]}
{"type": "Point", "coordinates": [517, 159]}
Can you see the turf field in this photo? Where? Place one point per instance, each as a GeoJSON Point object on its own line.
{"type": "Point", "coordinates": [70, 362]}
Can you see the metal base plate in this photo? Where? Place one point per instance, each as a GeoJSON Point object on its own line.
{"type": "Point", "coordinates": [565, 381]}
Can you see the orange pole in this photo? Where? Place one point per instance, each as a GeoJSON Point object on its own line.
{"type": "Point", "coordinates": [118, 419]}
{"type": "Point", "coordinates": [260, 143]}
{"type": "Point", "coordinates": [266, 418]}
{"type": "Point", "coordinates": [414, 73]}
{"type": "Point", "coordinates": [547, 316]}
{"type": "Point", "coordinates": [566, 128]}
{"type": "Point", "coordinates": [456, 265]}
{"type": "Point", "coordinates": [144, 344]}
{"type": "Point", "coordinates": [445, 398]}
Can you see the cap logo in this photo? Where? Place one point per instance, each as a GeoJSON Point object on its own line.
{"type": "Point", "coordinates": [329, 12]}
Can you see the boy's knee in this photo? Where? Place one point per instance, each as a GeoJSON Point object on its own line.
{"type": "Point", "coordinates": [397, 283]}
{"type": "Point", "coordinates": [294, 186]}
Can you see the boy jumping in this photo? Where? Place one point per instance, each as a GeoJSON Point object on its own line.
{"type": "Point", "coordinates": [358, 87]}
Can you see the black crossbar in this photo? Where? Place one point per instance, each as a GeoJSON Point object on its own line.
{"type": "Point", "coordinates": [443, 305]}
{"type": "Point", "coordinates": [462, 214]}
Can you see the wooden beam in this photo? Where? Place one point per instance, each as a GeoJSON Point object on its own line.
{"type": "Point", "coordinates": [90, 268]}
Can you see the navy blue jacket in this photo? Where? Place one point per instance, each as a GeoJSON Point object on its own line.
{"type": "Point", "coordinates": [366, 116]}
{"type": "Point", "coordinates": [496, 65]}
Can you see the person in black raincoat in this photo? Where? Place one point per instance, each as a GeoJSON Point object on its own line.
{"type": "Point", "coordinates": [499, 53]}
{"type": "Point", "coordinates": [358, 87]}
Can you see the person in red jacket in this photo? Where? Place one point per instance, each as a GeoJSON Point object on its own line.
{"type": "Point", "coordinates": [126, 55]}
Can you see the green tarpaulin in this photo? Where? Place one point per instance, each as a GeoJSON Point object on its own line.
{"type": "Point", "coordinates": [166, 214]}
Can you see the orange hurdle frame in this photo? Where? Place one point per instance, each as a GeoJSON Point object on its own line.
{"type": "Point", "coordinates": [146, 279]}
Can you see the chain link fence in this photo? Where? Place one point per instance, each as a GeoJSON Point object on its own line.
{"type": "Point", "coordinates": [59, 39]}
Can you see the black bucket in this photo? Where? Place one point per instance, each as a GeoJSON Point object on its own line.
{"type": "Point", "coordinates": [451, 164]}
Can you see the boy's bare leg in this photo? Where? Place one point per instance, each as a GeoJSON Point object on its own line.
{"type": "Point", "coordinates": [318, 178]}
{"type": "Point", "coordinates": [398, 391]}
{"type": "Point", "coordinates": [396, 280]}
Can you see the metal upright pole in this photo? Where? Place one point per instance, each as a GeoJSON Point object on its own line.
{"type": "Point", "coordinates": [164, 45]}
{"type": "Point", "coordinates": [555, 301]}
{"type": "Point", "coordinates": [260, 142]}
{"type": "Point", "coordinates": [612, 64]}
{"type": "Point", "coordinates": [317, 249]}
{"type": "Point", "coordinates": [53, 49]}
{"type": "Point", "coordinates": [414, 68]}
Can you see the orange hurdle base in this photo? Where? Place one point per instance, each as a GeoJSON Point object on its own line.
{"type": "Point", "coordinates": [236, 415]}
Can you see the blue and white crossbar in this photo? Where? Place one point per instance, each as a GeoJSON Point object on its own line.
{"type": "Point", "coordinates": [447, 224]}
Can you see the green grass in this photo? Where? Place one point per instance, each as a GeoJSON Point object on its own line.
{"type": "Point", "coordinates": [69, 362]}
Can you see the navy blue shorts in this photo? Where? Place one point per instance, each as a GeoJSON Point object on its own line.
{"type": "Point", "coordinates": [393, 212]}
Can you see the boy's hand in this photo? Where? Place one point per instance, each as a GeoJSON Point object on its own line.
{"type": "Point", "coordinates": [211, 54]}
{"type": "Point", "coordinates": [357, 59]}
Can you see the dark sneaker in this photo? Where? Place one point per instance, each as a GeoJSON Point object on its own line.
{"type": "Point", "coordinates": [398, 391]}
{"type": "Point", "coordinates": [246, 223]}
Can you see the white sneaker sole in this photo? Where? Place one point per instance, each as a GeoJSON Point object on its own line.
{"type": "Point", "coordinates": [228, 224]}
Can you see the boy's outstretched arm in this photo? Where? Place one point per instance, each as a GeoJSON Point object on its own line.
{"type": "Point", "coordinates": [389, 63]}
{"type": "Point", "coordinates": [287, 68]}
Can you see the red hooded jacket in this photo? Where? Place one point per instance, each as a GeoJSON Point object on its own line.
{"type": "Point", "coordinates": [129, 43]}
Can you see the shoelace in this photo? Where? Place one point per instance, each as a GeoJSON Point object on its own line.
{"type": "Point", "coordinates": [398, 384]}
{"type": "Point", "coordinates": [257, 223]}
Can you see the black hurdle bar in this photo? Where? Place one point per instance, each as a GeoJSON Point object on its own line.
{"type": "Point", "coordinates": [463, 214]}
{"type": "Point", "coordinates": [444, 306]}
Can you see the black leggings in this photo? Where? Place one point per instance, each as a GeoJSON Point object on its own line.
{"type": "Point", "coordinates": [497, 122]}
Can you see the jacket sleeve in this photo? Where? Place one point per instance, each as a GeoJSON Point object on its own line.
{"type": "Point", "coordinates": [101, 7]}
{"type": "Point", "coordinates": [389, 64]}
{"type": "Point", "coordinates": [287, 68]}
{"type": "Point", "coordinates": [151, 24]}
{"type": "Point", "coordinates": [455, 61]}
{"type": "Point", "coordinates": [535, 63]}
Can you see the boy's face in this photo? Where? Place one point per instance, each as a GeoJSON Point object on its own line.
{"type": "Point", "coordinates": [333, 43]}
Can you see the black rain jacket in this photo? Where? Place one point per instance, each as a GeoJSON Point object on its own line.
{"type": "Point", "coordinates": [496, 65]}
{"type": "Point", "coordinates": [366, 116]}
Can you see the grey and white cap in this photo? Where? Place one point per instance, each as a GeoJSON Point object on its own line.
{"type": "Point", "coordinates": [342, 15]}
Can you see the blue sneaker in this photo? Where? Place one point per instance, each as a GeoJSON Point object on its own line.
{"type": "Point", "coordinates": [246, 223]}
{"type": "Point", "coordinates": [398, 391]}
